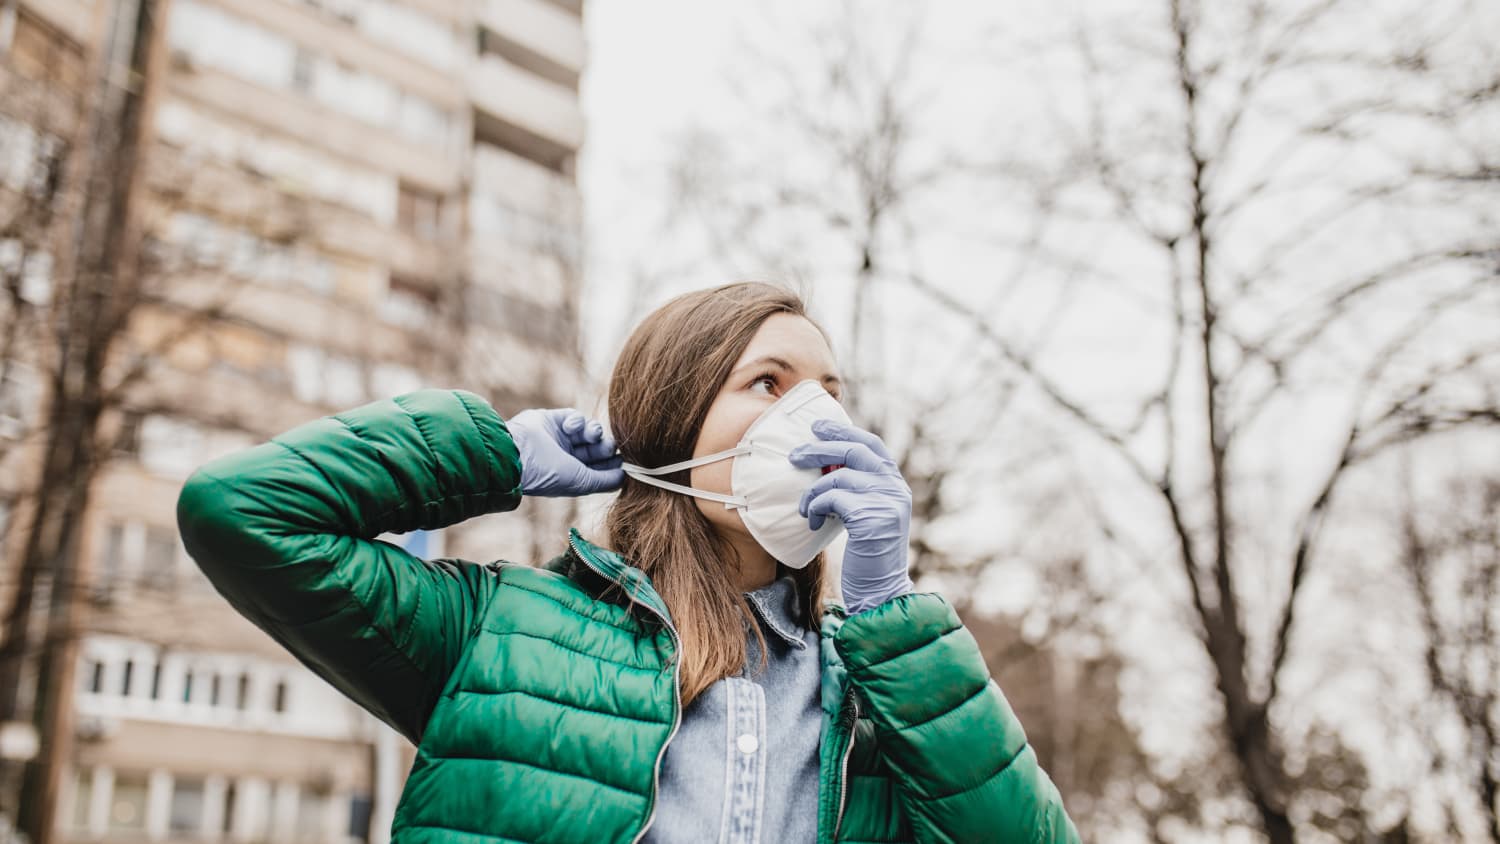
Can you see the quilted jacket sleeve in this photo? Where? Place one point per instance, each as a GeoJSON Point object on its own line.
{"type": "Point", "coordinates": [285, 531]}
{"type": "Point", "coordinates": [965, 768]}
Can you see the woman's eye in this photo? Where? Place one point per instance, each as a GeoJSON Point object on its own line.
{"type": "Point", "coordinates": [764, 379]}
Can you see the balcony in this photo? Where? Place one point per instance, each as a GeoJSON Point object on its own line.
{"type": "Point", "coordinates": [538, 36]}
{"type": "Point", "coordinates": [525, 114]}
{"type": "Point", "coordinates": [525, 185]}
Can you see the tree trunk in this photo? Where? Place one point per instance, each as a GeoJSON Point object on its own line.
{"type": "Point", "coordinates": [93, 311]}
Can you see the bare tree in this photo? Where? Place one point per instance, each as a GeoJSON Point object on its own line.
{"type": "Point", "coordinates": [1450, 551]}
{"type": "Point", "coordinates": [87, 267]}
{"type": "Point", "coordinates": [1222, 284]}
{"type": "Point", "coordinates": [1297, 211]}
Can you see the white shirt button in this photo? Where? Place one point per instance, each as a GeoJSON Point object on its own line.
{"type": "Point", "coordinates": [747, 743]}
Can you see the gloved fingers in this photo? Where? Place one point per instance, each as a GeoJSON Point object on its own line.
{"type": "Point", "coordinates": [573, 423]}
{"type": "Point", "coordinates": [591, 452]}
{"type": "Point", "coordinates": [850, 479]}
{"type": "Point", "coordinates": [838, 503]}
{"type": "Point", "coordinates": [600, 480]}
{"type": "Point", "coordinates": [555, 416]}
{"type": "Point", "coordinates": [614, 462]}
{"type": "Point", "coordinates": [595, 460]}
{"type": "Point", "coordinates": [828, 429]}
{"type": "Point", "coordinates": [834, 452]}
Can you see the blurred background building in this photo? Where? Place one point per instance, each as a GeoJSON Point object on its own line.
{"type": "Point", "coordinates": [324, 202]}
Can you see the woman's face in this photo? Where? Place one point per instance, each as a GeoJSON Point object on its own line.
{"type": "Point", "coordinates": [787, 350]}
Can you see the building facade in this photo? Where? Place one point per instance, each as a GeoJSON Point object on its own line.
{"type": "Point", "coordinates": [342, 200]}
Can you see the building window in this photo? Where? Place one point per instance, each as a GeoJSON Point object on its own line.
{"type": "Point", "coordinates": [278, 704]}
{"type": "Point", "coordinates": [195, 239]}
{"type": "Point", "coordinates": [410, 303]}
{"type": "Point", "coordinates": [231, 800]}
{"type": "Point", "coordinates": [318, 376]}
{"type": "Point", "coordinates": [302, 70]}
{"type": "Point", "coordinates": [83, 799]}
{"type": "Point", "coordinates": [420, 213]}
{"type": "Point", "coordinates": [95, 676]}
{"type": "Point", "coordinates": [126, 676]}
{"type": "Point", "coordinates": [242, 694]}
{"type": "Point", "coordinates": [160, 570]}
{"type": "Point", "coordinates": [220, 40]}
{"type": "Point", "coordinates": [355, 93]}
{"type": "Point", "coordinates": [187, 686]}
{"type": "Point", "coordinates": [312, 817]}
{"type": "Point", "coordinates": [361, 806]}
{"type": "Point", "coordinates": [127, 805]}
{"type": "Point", "coordinates": [111, 562]}
{"type": "Point", "coordinates": [391, 379]}
{"type": "Point", "coordinates": [537, 325]}
{"type": "Point", "coordinates": [213, 689]}
{"type": "Point", "coordinates": [169, 446]}
{"type": "Point", "coordinates": [156, 681]}
{"type": "Point", "coordinates": [187, 806]}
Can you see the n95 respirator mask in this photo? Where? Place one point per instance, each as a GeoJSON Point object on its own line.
{"type": "Point", "coordinates": [764, 486]}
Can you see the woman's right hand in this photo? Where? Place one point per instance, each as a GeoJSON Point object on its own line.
{"type": "Point", "coordinates": [564, 453]}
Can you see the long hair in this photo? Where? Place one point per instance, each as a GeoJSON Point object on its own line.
{"type": "Point", "coordinates": [667, 376]}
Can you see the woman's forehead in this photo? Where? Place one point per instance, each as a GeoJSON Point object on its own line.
{"type": "Point", "coordinates": [792, 338]}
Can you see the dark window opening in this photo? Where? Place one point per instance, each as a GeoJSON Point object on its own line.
{"type": "Point", "coordinates": [229, 804]}
{"type": "Point", "coordinates": [361, 806]}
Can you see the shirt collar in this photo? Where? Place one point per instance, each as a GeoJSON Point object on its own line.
{"type": "Point", "coordinates": [778, 607]}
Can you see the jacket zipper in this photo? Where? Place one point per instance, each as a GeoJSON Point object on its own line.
{"type": "Point", "coordinates": [676, 696]}
{"type": "Point", "coordinates": [838, 817]}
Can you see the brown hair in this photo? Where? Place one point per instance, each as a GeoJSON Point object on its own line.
{"type": "Point", "coordinates": [668, 374]}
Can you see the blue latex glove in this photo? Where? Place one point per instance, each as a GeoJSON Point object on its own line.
{"type": "Point", "coordinates": [563, 453]}
{"type": "Point", "coordinates": [871, 498]}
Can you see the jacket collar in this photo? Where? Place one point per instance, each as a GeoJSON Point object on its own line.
{"type": "Point", "coordinates": [779, 607]}
{"type": "Point", "coordinates": [614, 568]}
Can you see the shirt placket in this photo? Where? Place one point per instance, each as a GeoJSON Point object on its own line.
{"type": "Point", "coordinates": [745, 781]}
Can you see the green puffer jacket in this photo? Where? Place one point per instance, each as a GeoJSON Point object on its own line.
{"type": "Point", "coordinates": [540, 701]}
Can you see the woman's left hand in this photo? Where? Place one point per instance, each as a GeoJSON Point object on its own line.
{"type": "Point", "coordinates": [871, 498]}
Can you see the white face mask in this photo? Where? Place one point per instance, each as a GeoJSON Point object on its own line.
{"type": "Point", "coordinates": [766, 487]}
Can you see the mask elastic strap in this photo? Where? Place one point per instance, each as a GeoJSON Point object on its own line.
{"type": "Point", "coordinates": [644, 475]}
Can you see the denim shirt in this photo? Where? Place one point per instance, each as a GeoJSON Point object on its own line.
{"type": "Point", "coordinates": [743, 767]}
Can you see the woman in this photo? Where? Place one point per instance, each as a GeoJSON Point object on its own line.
{"type": "Point", "coordinates": [682, 682]}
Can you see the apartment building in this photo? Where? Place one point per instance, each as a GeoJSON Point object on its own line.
{"type": "Point", "coordinates": [368, 196]}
